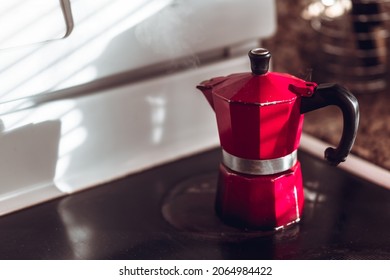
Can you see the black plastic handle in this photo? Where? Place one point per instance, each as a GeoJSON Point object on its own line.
{"type": "Point", "coordinates": [333, 94]}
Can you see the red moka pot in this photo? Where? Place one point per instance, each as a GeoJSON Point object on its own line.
{"type": "Point", "coordinates": [260, 116]}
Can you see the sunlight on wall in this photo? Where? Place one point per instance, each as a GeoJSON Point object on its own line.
{"type": "Point", "coordinates": [27, 22]}
{"type": "Point", "coordinates": [58, 64]}
{"type": "Point", "coordinates": [73, 133]}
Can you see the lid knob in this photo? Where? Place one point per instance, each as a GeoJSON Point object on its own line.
{"type": "Point", "coordinates": [259, 60]}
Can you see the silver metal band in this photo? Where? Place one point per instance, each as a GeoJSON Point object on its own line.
{"type": "Point", "coordinates": [258, 166]}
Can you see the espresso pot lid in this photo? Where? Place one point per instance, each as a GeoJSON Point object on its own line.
{"type": "Point", "coordinates": [260, 87]}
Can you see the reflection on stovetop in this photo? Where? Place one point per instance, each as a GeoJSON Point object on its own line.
{"type": "Point", "coordinates": [158, 214]}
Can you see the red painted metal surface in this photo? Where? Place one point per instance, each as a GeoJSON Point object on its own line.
{"type": "Point", "coordinates": [258, 116]}
{"type": "Point", "coordinates": [260, 202]}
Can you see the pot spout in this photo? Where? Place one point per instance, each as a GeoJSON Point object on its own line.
{"type": "Point", "coordinates": [207, 92]}
{"type": "Point", "coordinates": [206, 87]}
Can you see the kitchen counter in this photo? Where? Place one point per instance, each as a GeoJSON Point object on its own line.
{"type": "Point", "coordinates": [295, 50]}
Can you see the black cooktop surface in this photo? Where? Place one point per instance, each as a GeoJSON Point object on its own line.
{"type": "Point", "coordinates": [167, 213]}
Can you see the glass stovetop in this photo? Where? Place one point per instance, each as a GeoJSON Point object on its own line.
{"type": "Point", "coordinates": [167, 213]}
